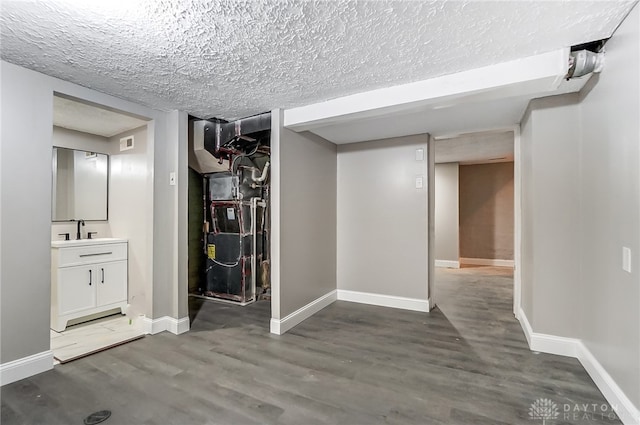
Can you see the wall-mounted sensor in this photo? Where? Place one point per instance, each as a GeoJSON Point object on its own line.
{"type": "Point", "coordinates": [126, 143]}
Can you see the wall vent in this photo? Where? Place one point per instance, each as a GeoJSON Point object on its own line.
{"type": "Point", "coordinates": [126, 143]}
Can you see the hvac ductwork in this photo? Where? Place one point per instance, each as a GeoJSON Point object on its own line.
{"type": "Point", "coordinates": [212, 143]}
{"type": "Point", "coordinates": [583, 62]}
{"type": "Point", "coordinates": [221, 139]}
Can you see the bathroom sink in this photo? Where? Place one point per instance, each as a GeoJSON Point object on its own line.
{"type": "Point", "coordinates": [85, 242]}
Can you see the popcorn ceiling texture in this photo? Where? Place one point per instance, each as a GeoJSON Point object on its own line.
{"type": "Point", "coordinates": [232, 59]}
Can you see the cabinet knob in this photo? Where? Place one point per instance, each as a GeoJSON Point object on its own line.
{"type": "Point", "coordinates": [90, 278]}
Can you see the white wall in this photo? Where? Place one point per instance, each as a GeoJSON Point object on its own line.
{"type": "Point", "coordinates": [25, 195]}
{"type": "Point", "coordinates": [303, 207]}
{"type": "Point", "coordinates": [382, 218]}
{"type": "Point", "coordinates": [71, 139]}
{"type": "Point", "coordinates": [447, 225]}
{"type": "Point", "coordinates": [130, 191]}
{"type": "Point", "coordinates": [581, 205]}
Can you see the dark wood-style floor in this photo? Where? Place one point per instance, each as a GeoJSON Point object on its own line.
{"type": "Point", "coordinates": [464, 363]}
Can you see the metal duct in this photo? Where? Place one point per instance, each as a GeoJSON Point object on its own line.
{"type": "Point", "coordinates": [584, 62]}
{"type": "Point", "coordinates": [217, 135]}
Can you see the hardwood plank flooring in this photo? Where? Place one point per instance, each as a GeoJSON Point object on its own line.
{"type": "Point", "coordinates": [466, 362]}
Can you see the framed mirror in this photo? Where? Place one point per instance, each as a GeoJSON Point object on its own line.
{"type": "Point", "coordinates": [80, 185]}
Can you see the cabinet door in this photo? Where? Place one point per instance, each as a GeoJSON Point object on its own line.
{"type": "Point", "coordinates": [111, 281]}
{"type": "Point", "coordinates": [76, 289]}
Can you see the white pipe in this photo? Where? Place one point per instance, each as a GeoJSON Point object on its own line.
{"type": "Point", "coordinates": [263, 177]}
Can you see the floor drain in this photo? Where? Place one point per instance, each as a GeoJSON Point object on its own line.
{"type": "Point", "coordinates": [97, 417]}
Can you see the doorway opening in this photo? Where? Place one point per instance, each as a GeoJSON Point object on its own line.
{"type": "Point", "coordinates": [229, 221]}
{"type": "Point", "coordinates": [474, 227]}
{"type": "Point", "coordinates": [99, 234]}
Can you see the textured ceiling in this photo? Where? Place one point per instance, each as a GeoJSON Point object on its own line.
{"type": "Point", "coordinates": [232, 58]}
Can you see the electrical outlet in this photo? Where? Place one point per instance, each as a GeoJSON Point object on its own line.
{"type": "Point", "coordinates": [172, 179]}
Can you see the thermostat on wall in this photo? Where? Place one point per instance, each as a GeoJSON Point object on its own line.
{"type": "Point", "coordinates": [126, 143]}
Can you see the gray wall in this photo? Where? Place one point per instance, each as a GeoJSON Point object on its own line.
{"type": "Point", "coordinates": [382, 218]}
{"type": "Point", "coordinates": [447, 238]}
{"type": "Point", "coordinates": [581, 205]}
{"type": "Point", "coordinates": [609, 194]}
{"type": "Point", "coordinates": [25, 195]}
{"type": "Point", "coordinates": [486, 211]}
{"type": "Point", "coordinates": [551, 219]}
{"type": "Point", "coordinates": [25, 191]}
{"type": "Point", "coordinates": [306, 197]}
{"type": "Point", "coordinates": [526, 211]}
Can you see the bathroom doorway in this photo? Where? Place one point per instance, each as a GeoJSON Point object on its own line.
{"type": "Point", "coordinates": [100, 237]}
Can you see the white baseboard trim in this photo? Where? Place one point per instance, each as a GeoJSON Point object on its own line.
{"type": "Point", "coordinates": [448, 264]}
{"type": "Point", "coordinates": [487, 262]}
{"type": "Point", "coordinates": [624, 408]}
{"type": "Point", "coordinates": [549, 344]}
{"type": "Point", "coordinates": [280, 326]}
{"type": "Point", "coordinates": [572, 347]}
{"type": "Point", "coordinates": [413, 304]}
{"type": "Point", "coordinates": [165, 323]}
{"type": "Point", "coordinates": [26, 367]}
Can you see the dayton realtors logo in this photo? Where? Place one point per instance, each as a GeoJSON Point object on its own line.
{"type": "Point", "coordinates": [544, 409]}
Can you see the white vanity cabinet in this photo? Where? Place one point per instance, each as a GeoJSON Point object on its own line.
{"type": "Point", "coordinates": [88, 277]}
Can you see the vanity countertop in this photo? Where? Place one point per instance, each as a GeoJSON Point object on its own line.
{"type": "Point", "coordinates": [86, 242]}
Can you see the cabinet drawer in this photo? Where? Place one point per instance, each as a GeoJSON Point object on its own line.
{"type": "Point", "coordinates": [74, 256]}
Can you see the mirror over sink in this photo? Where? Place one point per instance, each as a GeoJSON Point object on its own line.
{"type": "Point", "coordinates": [80, 185]}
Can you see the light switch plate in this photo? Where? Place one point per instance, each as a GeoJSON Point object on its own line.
{"type": "Point", "coordinates": [420, 154]}
{"type": "Point", "coordinates": [626, 259]}
{"type": "Point", "coordinates": [419, 182]}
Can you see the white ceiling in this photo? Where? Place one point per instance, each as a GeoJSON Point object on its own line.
{"type": "Point", "coordinates": [232, 59]}
{"type": "Point", "coordinates": [83, 117]}
{"type": "Point", "coordinates": [464, 118]}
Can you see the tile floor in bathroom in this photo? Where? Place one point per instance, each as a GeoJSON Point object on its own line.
{"type": "Point", "coordinates": [90, 337]}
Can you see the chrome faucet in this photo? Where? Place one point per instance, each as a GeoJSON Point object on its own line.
{"type": "Point", "coordinates": [78, 234]}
